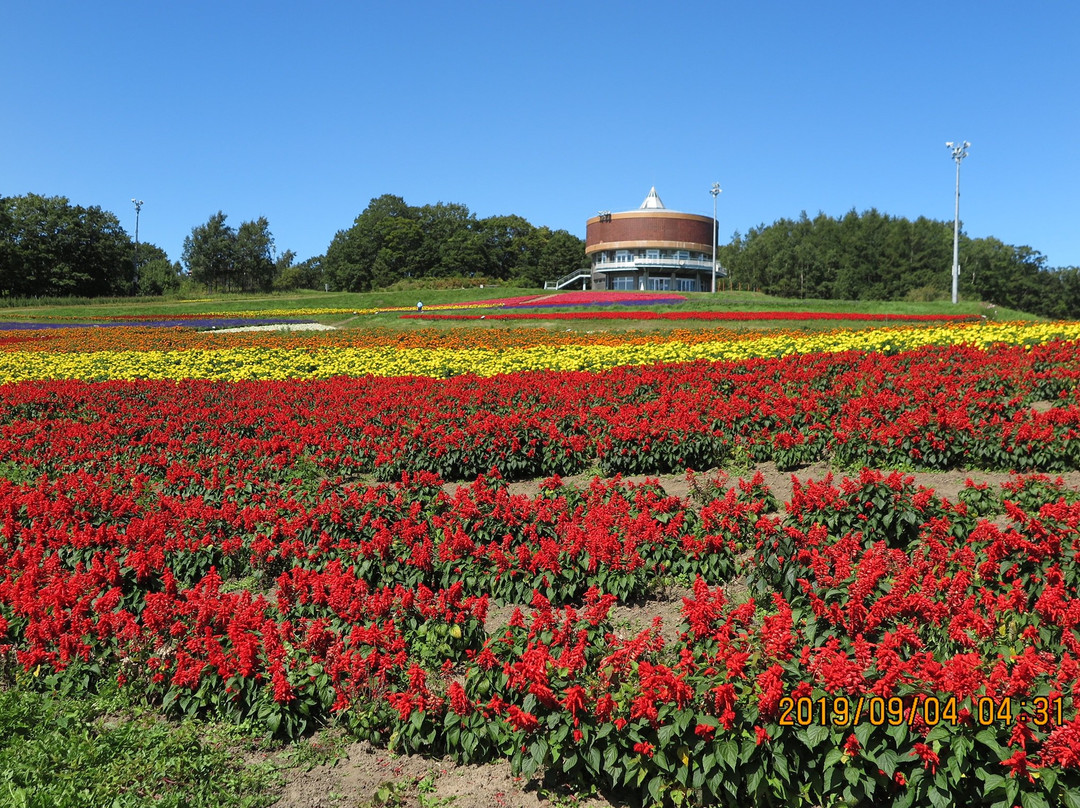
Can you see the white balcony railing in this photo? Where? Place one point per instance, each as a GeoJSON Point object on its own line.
{"type": "Point", "coordinates": [658, 263]}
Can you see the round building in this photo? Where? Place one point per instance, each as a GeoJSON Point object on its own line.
{"type": "Point", "coordinates": [651, 248]}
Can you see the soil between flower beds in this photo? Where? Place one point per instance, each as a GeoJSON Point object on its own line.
{"type": "Point", "coordinates": [364, 775]}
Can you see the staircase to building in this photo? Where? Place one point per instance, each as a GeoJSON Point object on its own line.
{"type": "Point", "coordinates": [566, 280]}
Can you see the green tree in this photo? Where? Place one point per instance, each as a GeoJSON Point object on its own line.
{"type": "Point", "coordinates": [255, 255]}
{"type": "Point", "coordinates": [311, 273]}
{"type": "Point", "coordinates": [210, 254]}
{"type": "Point", "coordinates": [387, 223]}
{"type": "Point", "coordinates": [511, 245]}
{"type": "Point", "coordinates": [448, 244]}
{"type": "Point", "coordinates": [50, 247]}
{"type": "Point", "coordinates": [158, 276]}
{"type": "Point", "coordinates": [874, 256]}
{"type": "Point", "coordinates": [228, 260]}
{"type": "Point", "coordinates": [562, 253]}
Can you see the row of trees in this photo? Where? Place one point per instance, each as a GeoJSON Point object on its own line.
{"type": "Point", "coordinates": [874, 256]}
{"type": "Point", "coordinates": [391, 241]}
{"type": "Point", "coordinates": [49, 247]}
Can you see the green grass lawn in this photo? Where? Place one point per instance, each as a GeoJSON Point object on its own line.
{"type": "Point", "coordinates": [103, 751]}
{"type": "Point", "coordinates": [697, 301]}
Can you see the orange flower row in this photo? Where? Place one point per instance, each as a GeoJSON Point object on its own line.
{"type": "Point", "coordinates": [85, 340]}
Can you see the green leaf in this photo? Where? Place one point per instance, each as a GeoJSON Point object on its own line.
{"type": "Point", "coordinates": [938, 799]}
{"type": "Point", "coordinates": [592, 757]}
{"type": "Point", "coordinates": [716, 781]}
{"type": "Point", "coordinates": [886, 761]}
{"type": "Point", "coordinates": [660, 760]}
{"type": "Point", "coordinates": [815, 734]}
{"type": "Point", "coordinates": [538, 750]}
{"type": "Point", "coordinates": [708, 762]}
{"type": "Point", "coordinates": [682, 720]}
{"type": "Point", "coordinates": [753, 780]}
{"type": "Point", "coordinates": [569, 762]}
{"type": "Point", "coordinates": [663, 735]}
{"type": "Point", "coordinates": [656, 788]}
{"type": "Point", "coordinates": [611, 754]}
{"type": "Point", "coordinates": [273, 721]}
{"type": "Point", "coordinates": [905, 799]}
{"type": "Point", "coordinates": [781, 766]}
{"type": "Point", "coordinates": [1033, 799]}
{"type": "Point", "coordinates": [729, 753]}
{"type": "Point", "coordinates": [698, 779]}
{"type": "Point", "coordinates": [898, 733]}
{"type": "Point", "coordinates": [1012, 788]}
{"type": "Point", "coordinates": [1071, 799]}
{"type": "Point", "coordinates": [960, 746]}
{"type": "Point", "coordinates": [862, 733]}
{"type": "Point", "coordinates": [988, 737]}
{"type": "Point", "coordinates": [992, 782]}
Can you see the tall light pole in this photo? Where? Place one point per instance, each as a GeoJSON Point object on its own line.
{"type": "Point", "coordinates": [138, 203]}
{"type": "Point", "coordinates": [715, 191]}
{"type": "Point", "coordinates": [959, 152]}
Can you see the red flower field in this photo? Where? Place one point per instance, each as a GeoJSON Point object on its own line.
{"type": "Point", "coordinates": [288, 554]}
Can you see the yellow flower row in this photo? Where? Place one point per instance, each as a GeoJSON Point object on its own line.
{"type": "Point", "coordinates": [280, 363]}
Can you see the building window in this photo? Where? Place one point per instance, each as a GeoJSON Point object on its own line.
{"type": "Point", "coordinates": [686, 285]}
{"type": "Point", "coordinates": [622, 256]}
{"type": "Point", "coordinates": [682, 255]}
{"type": "Point", "coordinates": [652, 254]}
{"type": "Point", "coordinates": [660, 284]}
{"type": "Point", "coordinates": [623, 284]}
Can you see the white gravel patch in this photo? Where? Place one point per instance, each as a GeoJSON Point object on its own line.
{"type": "Point", "coordinates": [277, 327]}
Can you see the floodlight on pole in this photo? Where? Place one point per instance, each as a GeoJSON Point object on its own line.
{"type": "Point", "coordinates": [959, 152]}
{"type": "Point", "coordinates": [715, 191]}
{"type": "Point", "coordinates": [138, 203]}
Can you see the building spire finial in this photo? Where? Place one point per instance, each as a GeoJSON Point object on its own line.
{"type": "Point", "coordinates": [652, 201]}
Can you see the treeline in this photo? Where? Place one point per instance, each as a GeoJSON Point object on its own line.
{"type": "Point", "coordinates": [874, 256]}
{"type": "Point", "coordinates": [223, 258]}
{"type": "Point", "coordinates": [391, 241]}
{"type": "Point", "coordinates": [51, 248]}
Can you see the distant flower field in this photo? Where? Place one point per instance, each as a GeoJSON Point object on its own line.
{"type": "Point", "coordinates": [327, 354]}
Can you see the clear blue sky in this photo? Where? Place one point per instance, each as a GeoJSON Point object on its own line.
{"type": "Point", "coordinates": [303, 112]}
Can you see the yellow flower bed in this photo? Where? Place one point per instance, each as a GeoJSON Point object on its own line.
{"type": "Point", "coordinates": [279, 363]}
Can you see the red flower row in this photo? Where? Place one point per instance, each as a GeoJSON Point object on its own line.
{"type": "Point", "coordinates": [722, 316]}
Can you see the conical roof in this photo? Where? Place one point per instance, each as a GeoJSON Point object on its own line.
{"type": "Point", "coordinates": [652, 201]}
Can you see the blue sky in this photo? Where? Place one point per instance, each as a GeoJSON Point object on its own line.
{"type": "Point", "coordinates": [303, 112]}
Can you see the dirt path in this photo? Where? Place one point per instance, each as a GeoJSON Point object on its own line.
{"type": "Point", "coordinates": [365, 776]}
